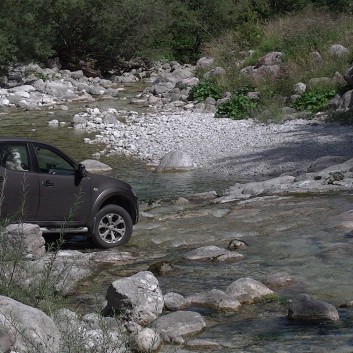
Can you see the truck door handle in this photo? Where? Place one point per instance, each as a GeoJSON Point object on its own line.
{"type": "Point", "coordinates": [47, 183]}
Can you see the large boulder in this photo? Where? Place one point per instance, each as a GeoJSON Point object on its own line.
{"type": "Point", "coordinates": [29, 326]}
{"type": "Point", "coordinates": [179, 75]}
{"type": "Point", "coordinates": [24, 238]}
{"type": "Point", "coordinates": [343, 102]}
{"type": "Point", "coordinates": [175, 161]}
{"type": "Point", "coordinates": [58, 89]}
{"type": "Point", "coordinates": [139, 297]}
{"type": "Point", "coordinates": [307, 308]}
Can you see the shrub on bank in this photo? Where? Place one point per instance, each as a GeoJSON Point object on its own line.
{"type": "Point", "coordinates": [314, 101]}
{"type": "Point", "coordinates": [305, 40]}
{"type": "Point", "coordinates": [205, 89]}
{"type": "Point", "coordinates": [238, 107]}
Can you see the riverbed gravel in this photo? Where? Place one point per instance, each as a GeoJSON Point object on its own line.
{"type": "Point", "coordinates": [242, 147]}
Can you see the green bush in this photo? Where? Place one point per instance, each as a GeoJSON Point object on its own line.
{"type": "Point", "coordinates": [238, 107]}
{"type": "Point", "coordinates": [314, 101]}
{"type": "Point", "coordinates": [205, 89]}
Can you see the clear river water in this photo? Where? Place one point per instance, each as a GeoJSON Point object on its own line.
{"type": "Point", "coordinates": [305, 238]}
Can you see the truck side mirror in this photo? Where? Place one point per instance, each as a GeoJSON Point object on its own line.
{"type": "Point", "coordinates": [81, 170]}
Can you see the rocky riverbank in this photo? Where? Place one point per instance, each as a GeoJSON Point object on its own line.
{"type": "Point", "coordinates": [244, 148]}
{"type": "Point", "coordinates": [217, 237]}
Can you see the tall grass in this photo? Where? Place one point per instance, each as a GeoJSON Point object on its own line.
{"type": "Point", "coordinates": [298, 36]}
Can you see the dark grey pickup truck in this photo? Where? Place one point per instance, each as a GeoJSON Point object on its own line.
{"type": "Point", "coordinates": [42, 185]}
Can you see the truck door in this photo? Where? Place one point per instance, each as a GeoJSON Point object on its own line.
{"type": "Point", "coordinates": [63, 198]}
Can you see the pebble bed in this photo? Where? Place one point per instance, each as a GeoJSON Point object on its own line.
{"type": "Point", "coordinates": [243, 147]}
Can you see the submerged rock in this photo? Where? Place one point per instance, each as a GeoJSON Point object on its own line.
{"type": "Point", "coordinates": [214, 299]}
{"type": "Point", "coordinates": [178, 326]}
{"type": "Point", "coordinates": [248, 290]}
{"type": "Point", "coordinates": [212, 252]}
{"type": "Point", "coordinates": [306, 308]}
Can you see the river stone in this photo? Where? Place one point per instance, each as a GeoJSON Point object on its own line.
{"type": "Point", "coordinates": [178, 326]}
{"type": "Point", "coordinates": [204, 62]}
{"type": "Point", "coordinates": [278, 279]}
{"type": "Point", "coordinates": [235, 244]}
{"type": "Point", "coordinates": [214, 299]}
{"type": "Point", "coordinates": [139, 296]}
{"type": "Point", "coordinates": [57, 88]}
{"type": "Point", "coordinates": [174, 301]}
{"type": "Point", "coordinates": [70, 267]}
{"type": "Point", "coordinates": [33, 328]}
{"type": "Point", "coordinates": [26, 238]}
{"type": "Point", "coordinates": [338, 50]}
{"type": "Point", "coordinates": [161, 268]}
{"type": "Point", "coordinates": [306, 308]}
{"type": "Point", "coordinates": [248, 290]}
{"type": "Point", "coordinates": [111, 256]}
{"type": "Point", "coordinates": [212, 252]}
{"type": "Point", "coordinates": [203, 196]}
{"type": "Point", "coordinates": [205, 252]}
{"type": "Point", "coordinates": [203, 344]}
{"type": "Point", "coordinates": [262, 187]}
{"type": "Point", "coordinates": [94, 166]}
{"type": "Point", "coordinates": [175, 160]}
{"type": "Point", "coordinates": [147, 340]}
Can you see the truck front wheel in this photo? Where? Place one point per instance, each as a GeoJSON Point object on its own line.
{"type": "Point", "coordinates": [113, 227]}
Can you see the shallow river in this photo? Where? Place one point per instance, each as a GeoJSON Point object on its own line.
{"type": "Point", "coordinates": [148, 184]}
{"type": "Point", "coordinates": [301, 237]}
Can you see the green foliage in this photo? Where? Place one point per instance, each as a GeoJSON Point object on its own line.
{"type": "Point", "coordinates": [314, 101]}
{"type": "Point", "coordinates": [25, 32]}
{"type": "Point", "coordinates": [34, 30]}
{"type": "Point", "coordinates": [238, 107]}
{"type": "Point", "coordinates": [205, 89]}
{"type": "Point", "coordinates": [41, 76]}
{"type": "Point", "coordinates": [334, 176]}
{"type": "Point", "coordinates": [297, 35]}
{"type": "Point", "coordinates": [132, 28]}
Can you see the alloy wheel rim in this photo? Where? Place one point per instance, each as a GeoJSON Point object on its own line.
{"type": "Point", "coordinates": [111, 228]}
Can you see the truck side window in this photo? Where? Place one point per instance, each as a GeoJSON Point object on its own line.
{"type": "Point", "coordinates": [51, 163]}
{"type": "Point", "coordinates": [14, 157]}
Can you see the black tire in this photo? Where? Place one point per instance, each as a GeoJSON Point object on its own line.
{"type": "Point", "coordinates": [113, 227]}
